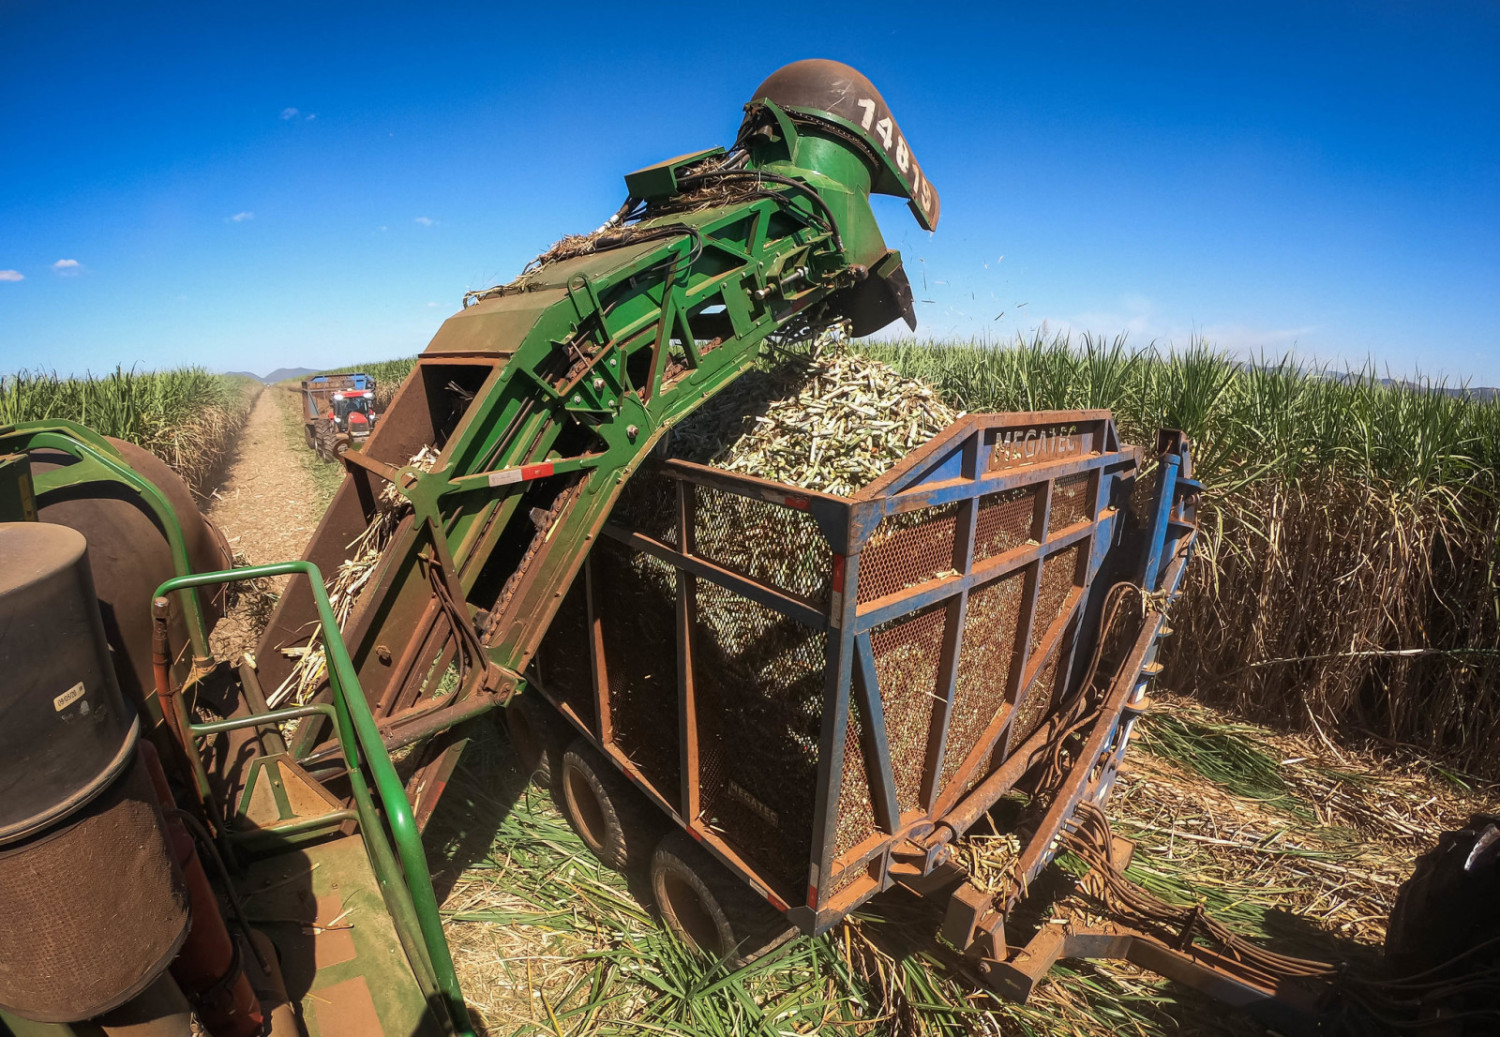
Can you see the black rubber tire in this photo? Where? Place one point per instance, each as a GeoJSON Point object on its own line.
{"type": "Point", "coordinates": [538, 735]}
{"type": "Point", "coordinates": [709, 908]}
{"type": "Point", "coordinates": [612, 818]}
{"type": "Point", "coordinates": [1450, 905]}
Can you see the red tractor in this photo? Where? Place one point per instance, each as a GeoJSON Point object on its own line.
{"type": "Point", "coordinates": [338, 410]}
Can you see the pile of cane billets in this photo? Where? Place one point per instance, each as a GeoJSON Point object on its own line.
{"type": "Point", "coordinates": [823, 419]}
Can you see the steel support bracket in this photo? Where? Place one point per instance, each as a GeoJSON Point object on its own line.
{"type": "Point", "coordinates": [1022, 972]}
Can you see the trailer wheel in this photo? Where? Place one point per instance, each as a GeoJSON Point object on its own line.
{"type": "Point", "coordinates": [710, 908]}
{"type": "Point", "coordinates": [603, 809]}
{"type": "Point", "coordinates": [536, 732]}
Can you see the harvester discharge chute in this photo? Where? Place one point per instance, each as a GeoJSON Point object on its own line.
{"type": "Point", "coordinates": [543, 395]}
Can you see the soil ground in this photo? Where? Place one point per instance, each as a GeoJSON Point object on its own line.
{"type": "Point", "coordinates": [267, 506]}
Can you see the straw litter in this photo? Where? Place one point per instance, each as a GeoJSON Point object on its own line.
{"type": "Point", "coordinates": [1280, 835]}
{"type": "Point", "coordinates": [344, 590]}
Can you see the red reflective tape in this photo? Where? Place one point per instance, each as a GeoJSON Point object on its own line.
{"type": "Point", "coordinates": [776, 902]}
{"type": "Point", "coordinates": [787, 500]}
{"type": "Point", "coordinates": [836, 594]}
{"type": "Point", "coordinates": [697, 835]}
{"type": "Point", "coordinates": [812, 897]}
{"type": "Point", "coordinates": [525, 473]}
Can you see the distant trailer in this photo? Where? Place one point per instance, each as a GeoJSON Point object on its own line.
{"type": "Point", "coordinates": [338, 410]}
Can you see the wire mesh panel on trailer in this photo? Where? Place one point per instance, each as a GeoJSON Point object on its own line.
{"type": "Point", "coordinates": [814, 685]}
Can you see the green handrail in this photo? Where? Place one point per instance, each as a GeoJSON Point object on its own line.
{"type": "Point", "coordinates": [357, 729]}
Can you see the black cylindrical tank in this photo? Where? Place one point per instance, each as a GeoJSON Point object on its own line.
{"type": "Point", "coordinates": [92, 905]}
{"type": "Point", "coordinates": [64, 730]}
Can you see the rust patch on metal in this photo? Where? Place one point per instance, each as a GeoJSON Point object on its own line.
{"type": "Point", "coordinates": [639, 620]}
{"type": "Point", "coordinates": [907, 549]}
{"type": "Point", "coordinates": [856, 818]}
{"type": "Point", "coordinates": [765, 542]}
{"type": "Point", "coordinates": [1033, 707]}
{"type": "Point", "coordinates": [759, 683]}
{"type": "Point", "coordinates": [1004, 521]}
{"type": "Point", "coordinates": [1070, 498]}
{"type": "Point", "coordinates": [1058, 572]}
{"type": "Point", "coordinates": [907, 653]}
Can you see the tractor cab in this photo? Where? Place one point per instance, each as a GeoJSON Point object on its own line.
{"type": "Point", "coordinates": [354, 412]}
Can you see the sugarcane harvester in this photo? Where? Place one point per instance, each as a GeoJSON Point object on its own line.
{"type": "Point", "coordinates": [935, 639]}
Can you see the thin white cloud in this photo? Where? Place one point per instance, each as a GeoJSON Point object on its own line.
{"type": "Point", "coordinates": [426, 221]}
{"type": "Point", "coordinates": [289, 113]}
{"type": "Point", "coordinates": [1137, 316]}
{"type": "Point", "coordinates": [1238, 338]}
{"type": "Point", "coordinates": [311, 116]}
{"type": "Point", "coordinates": [67, 266]}
{"type": "Point", "coordinates": [240, 217]}
{"type": "Point", "coordinates": [1142, 319]}
{"type": "Point", "coordinates": [432, 305]}
{"type": "Point", "coordinates": [12, 275]}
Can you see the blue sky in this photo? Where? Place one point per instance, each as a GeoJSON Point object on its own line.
{"type": "Point", "coordinates": [258, 185]}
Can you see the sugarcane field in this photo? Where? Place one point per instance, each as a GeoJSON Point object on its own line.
{"type": "Point", "coordinates": [767, 613]}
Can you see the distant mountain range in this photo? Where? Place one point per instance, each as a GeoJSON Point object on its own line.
{"type": "Point", "coordinates": [281, 374]}
{"type": "Point", "coordinates": [1477, 392]}
{"type": "Point", "coordinates": [1474, 392]}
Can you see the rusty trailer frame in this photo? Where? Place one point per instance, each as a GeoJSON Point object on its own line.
{"type": "Point", "coordinates": [826, 691]}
